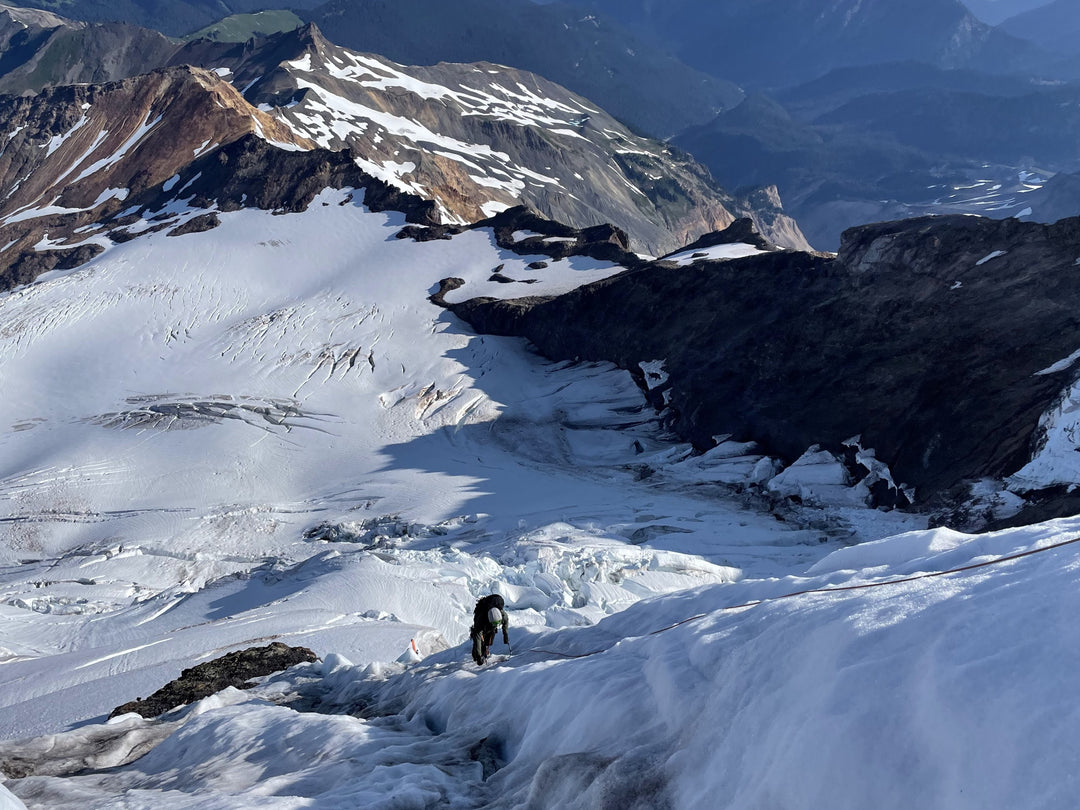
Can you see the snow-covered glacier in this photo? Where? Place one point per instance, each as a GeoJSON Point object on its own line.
{"type": "Point", "coordinates": [266, 431]}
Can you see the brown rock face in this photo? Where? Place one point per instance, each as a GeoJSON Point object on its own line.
{"type": "Point", "coordinates": [72, 145]}
{"type": "Point", "coordinates": [74, 159]}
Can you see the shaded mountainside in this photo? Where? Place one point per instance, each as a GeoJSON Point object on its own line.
{"type": "Point", "coordinates": [1058, 199]}
{"type": "Point", "coordinates": [1044, 125]}
{"type": "Point", "coordinates": [830, 179]}
{"type": "Point", "coordinates": [809, 100]}
{"type": "Point", "coordinates": [930, 339]}
{"type": "Point", "coordinates": [928, 141]}
{"type": "Point", "coordinates": [775, 43]}
{"type": "Point", "coordinates": [1054, 26]}
{"type": "Point", "coordinates": [172, 17]}
{"type": "Point", "coordinates": [242, 27]}
{"type": "Point", "coordinates": [994, 12]}
{"type": "Point", "coordinates": [38, 49]}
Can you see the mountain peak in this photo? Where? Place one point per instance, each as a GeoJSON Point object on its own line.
{"type": "Point", "coordinates": [76, 155]}
{"type": "Point", "coordinates": [37, 18]}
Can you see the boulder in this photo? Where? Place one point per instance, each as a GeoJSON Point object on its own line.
{"type": "Point", "coordinates": [236, 669]}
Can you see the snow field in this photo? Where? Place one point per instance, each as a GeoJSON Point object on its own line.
{"type": "Point", "coordinates": [951, 692]}
{"type": "Point", "coordinates": [291, 443]}
{"type": "Point", "coordinates": [181, 412]}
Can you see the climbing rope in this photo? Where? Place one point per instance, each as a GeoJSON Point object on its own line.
{"type": "Point", "coordinates": [835, 589]}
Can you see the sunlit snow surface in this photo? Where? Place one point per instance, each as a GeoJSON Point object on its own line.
{"type": "Point", "coordinates": [736, 250]}
{"type": "Point", "coordinates": [948, 692]}
{"type": "Point", "coordinates": [181, 412]}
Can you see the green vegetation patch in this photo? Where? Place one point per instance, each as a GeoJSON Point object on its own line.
{"type": "Point", "coordinates": [242, 27]}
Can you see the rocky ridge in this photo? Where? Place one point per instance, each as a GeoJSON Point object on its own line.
{"type": "Point", "coordinates": [474, 138]}
{"type": "Point", "coordinates": [634, 80]}
{"type": "Point", "coordinates": [478, 138]}
{"type": "Point", "coordinates": [937, 342]}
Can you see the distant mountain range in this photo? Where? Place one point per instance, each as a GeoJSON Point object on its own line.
{"type": "Point", "coordinates": [777, 43]}
{"type": "Point", "coordinates": [1054, 26]}
{"type": "Point", "coordinates": [930, 141]}
{"type": "Point", "coordinates": [994, 12]}
{"type": "Point", "coordinates": [633, 80]}
{"type": "Point", "coordinates": [172, 17]}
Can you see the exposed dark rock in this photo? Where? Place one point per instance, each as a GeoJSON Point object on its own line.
{"type": "Point", "coordinates": [119, 235]}
{"type": "Point", "coordinates": [445, 286]}
{"type": "Point", "coordinates": [380, 196]}
{"type": "Point", "coordinates": [236, 669]}
{"type": "Point", "coordinates": [420, 233]}
{"type": "Point", "coordinates": [537, 265]}
{"type": "Point", "coordinates": [249, 172]}
{"type": "Point", "coordinates": [32, 263]}
{"type": "Point", "coordinates": [926, 337]}
{"type": "Point", "coordinates": [203, 222]}
{"type": "Point", "coordinates": [1046, 504]}
{"type": "Point", "coordinates": [602, 242]}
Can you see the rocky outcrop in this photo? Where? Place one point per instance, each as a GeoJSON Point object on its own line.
{"type": "Point", "coordinates": [741, 231]}
{"type": "Point", "coordinates": [237, 669]}
{"type": "Point", "coordinates": [934, 339]}
{"type": "Point", "coordinates": [603, 242]}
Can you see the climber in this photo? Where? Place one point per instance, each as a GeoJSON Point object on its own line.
{"type": "Point", "coordinates": [488, 615]}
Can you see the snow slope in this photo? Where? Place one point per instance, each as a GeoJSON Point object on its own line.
{"type": "Point", "coordinates": [266, 431]}
{"type": "Point", "coordinates": [950, 691]}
